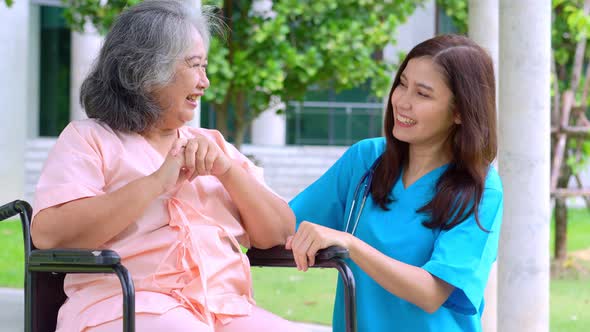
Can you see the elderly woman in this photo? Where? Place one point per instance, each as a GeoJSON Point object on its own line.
{"type": "Point", "coordinates": [175, 202]}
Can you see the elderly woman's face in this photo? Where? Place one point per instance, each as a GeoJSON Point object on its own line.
{"type": "Point", "coordinates": [180, 98]}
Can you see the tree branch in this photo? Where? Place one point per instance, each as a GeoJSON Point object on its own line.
{"type": "Point", "coordinates": [577, 131]}
{"type": "Point", "coordinates": [564, 193]}
{"type": "Point", "coordinates": [568, 100]}
{"type": "Point", "coordinates": [580, 52]}
{"type": "Point", "coordinates": [555, 111]}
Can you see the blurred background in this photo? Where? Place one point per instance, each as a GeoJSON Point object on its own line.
{"type": "Point", "coordinates": [294, 83]}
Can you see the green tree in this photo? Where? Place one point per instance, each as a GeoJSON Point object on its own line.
{"type": "Point", "coordinates": [570, 126]}
{"type": "Point", "coordinates": [570, 96]}
{"type": "Point", "coordinates": [457, 11]}
{"type": "Point", "coordinates": [280, 53]}
{"type": "Point", "coordinates": [299, 43]}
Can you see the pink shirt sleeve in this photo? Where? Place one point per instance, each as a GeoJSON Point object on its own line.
{"type": "Point", "coordinates": [73, 169]}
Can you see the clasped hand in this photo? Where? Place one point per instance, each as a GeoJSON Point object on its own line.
{"type": "Point", "coordinates": [310, 238]}
{"type": "Point", "coordinates": [190, 158]}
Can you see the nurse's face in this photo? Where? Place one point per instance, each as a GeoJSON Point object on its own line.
{"type": "Point", "coordinates": [181, 96]}
{"type": "Point", "coordinates": [421, 104]}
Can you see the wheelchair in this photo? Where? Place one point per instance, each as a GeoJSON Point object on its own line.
{"type": "Point", "coordinates": [45, 271]}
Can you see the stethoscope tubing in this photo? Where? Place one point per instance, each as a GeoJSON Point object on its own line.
{"type": "Point", "coordinates": [369, 177]}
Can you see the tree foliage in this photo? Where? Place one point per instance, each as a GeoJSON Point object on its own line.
{"type": "Point", "coordinates": [296, 44]}
{"type": "Point", "coordinates": [457, 11]}
{"type": "Point", "coordinates": [283, 50]}
{"type": "Point", "coordinates": [571, 77]}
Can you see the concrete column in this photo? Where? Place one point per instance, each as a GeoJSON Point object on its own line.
{"type": "Point", "coordinates": [33, 71]}
{"type": "Point", "coordinates": [523, 264]}
{"type": "Point", "coordinates": [14, 98]}
{"type": "Point", "coordinates": [483, 29]}
{"type": "Point", "coordinates": [270, 128]}
{"type": "Point", "coordinates": [196, 121]}
{"type": "Point", "coordinates": [84, 50]}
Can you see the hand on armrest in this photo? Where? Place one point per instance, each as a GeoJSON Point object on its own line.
{"type": "Point", "coordinates": [279, 256]}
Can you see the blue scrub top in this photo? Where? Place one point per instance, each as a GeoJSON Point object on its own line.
{"type": "Point", "coordinates": [461, 256]}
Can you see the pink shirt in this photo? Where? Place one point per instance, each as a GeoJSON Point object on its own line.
{"type": "Point", "coordinates": [183, 251]}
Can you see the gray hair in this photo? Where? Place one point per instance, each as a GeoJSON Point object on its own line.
{"type": "Point", "coordinates": [140, 54]}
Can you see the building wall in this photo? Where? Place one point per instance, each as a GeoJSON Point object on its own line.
{"type": "Point", "coordinates": [14, 96]}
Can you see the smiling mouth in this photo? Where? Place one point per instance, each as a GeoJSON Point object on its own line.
{"type": "Point", "coordinates": [404, 120]}
{"type": "Point", "coordinates": [193, 98]}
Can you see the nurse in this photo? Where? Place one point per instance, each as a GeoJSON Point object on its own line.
{"type": "Point", "coordinates": [420, 209]}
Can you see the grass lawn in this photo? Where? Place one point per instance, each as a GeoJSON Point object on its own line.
{"type": "Point", "coordinates": [309, 296]}
{"type": "Point", "coordinates": [578, 235]}
{"type": "Point", "coordinates": [12, 255]}
{"type": "Point", "coordinates": [570, 305]}
{"type": "Point", "coordinates": [299, 296]}
{"type": "Point", "coordinates": [570, 293]}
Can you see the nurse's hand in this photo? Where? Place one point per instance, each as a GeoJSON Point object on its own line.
{"type": "Point", "coordinates": [202, 156]}
{"type": "Point", "coordinates": [310, 238]}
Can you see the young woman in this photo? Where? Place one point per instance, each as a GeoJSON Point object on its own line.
{"type": "Point", "coordinates": [420, 209]}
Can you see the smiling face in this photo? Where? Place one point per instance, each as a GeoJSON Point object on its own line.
{"type": "Point", "coordinates": [181, 96]}
{"type": "Point", "coordinates": [421, 104]}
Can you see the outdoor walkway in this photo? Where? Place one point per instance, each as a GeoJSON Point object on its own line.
{"type": "Point", "coordinates": [11, 315]}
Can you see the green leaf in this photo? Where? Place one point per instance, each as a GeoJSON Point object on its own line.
{"type": "Point", "coordinates": [307, 42]}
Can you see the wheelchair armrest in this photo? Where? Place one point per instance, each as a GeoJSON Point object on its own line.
{"type": "Point", "coordinates": [280, 257]}
{"type": "Point", "coordinates": [8, 210]}
{"type": "Point", "coordinates": [88, 261]}
{"type": "Point", "coordinates": [332, 257]}
{"type": "Point", "coordinates": [73, 258]}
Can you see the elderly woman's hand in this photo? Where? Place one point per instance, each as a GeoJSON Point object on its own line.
{"type": "Point", "coordinates": [203, 157]}
{"type": "Point", "coordinates": [172, 171]}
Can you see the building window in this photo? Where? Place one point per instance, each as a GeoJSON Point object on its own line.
{"type": "Point", "coordinates": [330, 118]}
{"type": "Point", "coordinates": [444, 24]}
{"type": "Point", "coordinates": [54, 88]}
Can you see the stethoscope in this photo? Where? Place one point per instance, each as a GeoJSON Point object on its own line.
{"type": "Point", "coordinates": [368, 176]}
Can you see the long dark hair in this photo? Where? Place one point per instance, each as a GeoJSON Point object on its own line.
{"type": "Point", "coordinates": [469, 73]}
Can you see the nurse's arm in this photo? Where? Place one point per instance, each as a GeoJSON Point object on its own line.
{"type": "Point", "coordinates": [408, 282]}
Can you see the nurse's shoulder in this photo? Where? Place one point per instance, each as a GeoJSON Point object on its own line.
{"type": "Point", "coordinates": [366, 151]}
